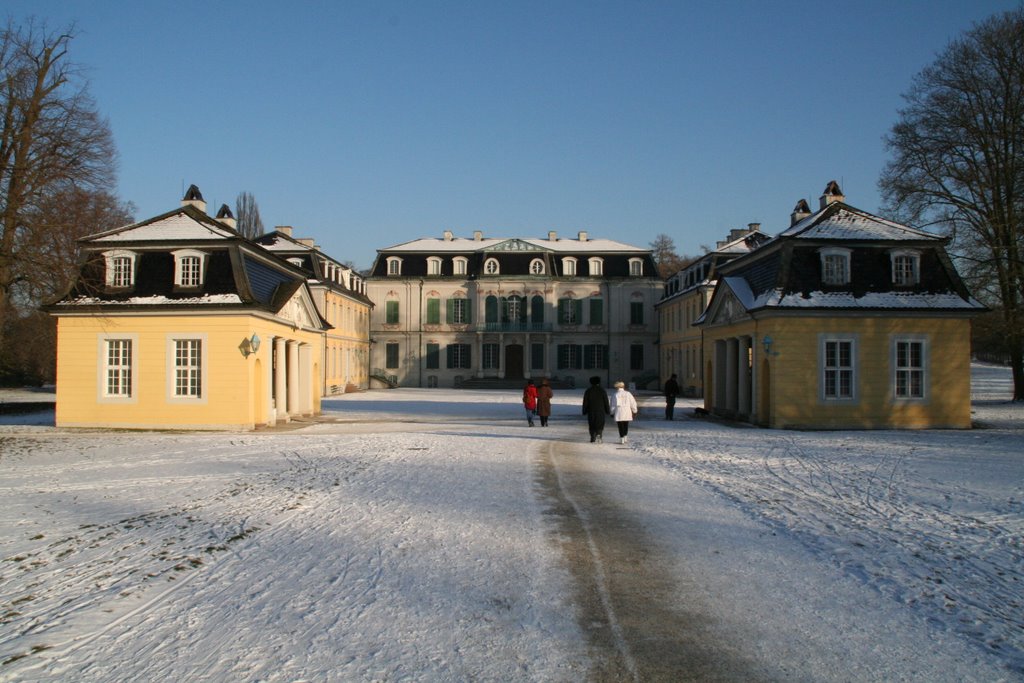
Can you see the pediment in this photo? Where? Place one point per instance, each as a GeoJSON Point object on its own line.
{"type": "Point", "coordinates": [300, 311]}
{"type": "Point", "coordinates": [726, 308]}
{"type": "Point", "coordinates": [516, 245]}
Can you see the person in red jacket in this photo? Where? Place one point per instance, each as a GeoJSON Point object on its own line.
{"type": "Point", "coordinates": [530, 400]}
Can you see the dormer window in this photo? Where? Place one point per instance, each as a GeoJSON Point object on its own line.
{"type": "Point", "coordinates": [460, 264]}
{"type": "Point", "coordinates": [295, 262]}
{"type": "Point", "coordinates": [569, 266]}
{"type": "Point", "coordinates": [536, 267]}
{"type": "Point", "coordinates": [120, 268]}
{"type": "Point", "coordinates": [433, 265]}
{"type": "Point", "coordinates": [835, 266]}
{"type": "Point", "coordinates": [636, 267]}
{"type": "Point", "coordinates": [596, 266]}
{"type": "Point", "coordinates": [906, 267]}
{"type": "Point", "coordinates": [491, 266]}
{"type": "Point", "coordinates": [394, 265]}
{"type": "Point", "coordinates": [188, 268]}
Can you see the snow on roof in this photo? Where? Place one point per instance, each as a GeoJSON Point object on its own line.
{"type": "Point", "coordinates": [177, 226]}
{"type": "Point", "coordinates": [839, 221]}
{"type": "Point", "coordinates": [157, 300]}
{"type": "Point", "coordinates": [465, 244]}
{"type": "Point", "coordinates": [845, 300]}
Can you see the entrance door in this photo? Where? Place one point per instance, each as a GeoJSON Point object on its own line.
{"type": "Point", "coordinates": [514, 361]}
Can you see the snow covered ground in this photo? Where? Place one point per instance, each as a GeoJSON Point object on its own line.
{"type": "Point", "coordinates": [416, 535]}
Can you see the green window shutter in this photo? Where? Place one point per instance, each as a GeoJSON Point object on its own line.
{"type": "Point", "coordinates": [596, 312]}
{"type": "Point", "coordinates": [391, 312]}
{"type": "Point", "coordinates": [433, 311]}
{"type": "Point", "coordinates": [562, 303]}
{"type": "Point", "coordinates": [450, 311]}
{"type": "Point", "coordinates": [577, 309]}
{"type": "Point", "coordinates": [537, 310]}
{"type": "Point", "coordinates": [579, 356]}
{"type": "Point", "coordinates": [491, 309]}
{"type": "Point", "coordinates": [450, 350]}
{"type": "Point", "coordinates": [433, 356]}
{"type": "Point", "coordinates": [468, 310]}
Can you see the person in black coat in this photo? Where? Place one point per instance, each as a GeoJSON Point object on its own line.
{"type": "Point", "coordinates": [595, 407]}
{"type": "Point", "coordinates": [671, 391]}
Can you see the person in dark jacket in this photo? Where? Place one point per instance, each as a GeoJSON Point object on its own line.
{"type": "Point", "coordinates": [544, 395]}
{"type": "Point", "coordinates": [595, 407]}
{"type": "Point", "coordinates": [671, 391]}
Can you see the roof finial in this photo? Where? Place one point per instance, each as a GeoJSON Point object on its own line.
{"type": "Point", "coordinates": [193, 197]}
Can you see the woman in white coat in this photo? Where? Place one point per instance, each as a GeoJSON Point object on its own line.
{"type": "Point", "coordinates": [623, 409]}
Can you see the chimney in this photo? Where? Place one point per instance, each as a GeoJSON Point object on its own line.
{"type": "Point", "coordinates": [753, 227]}
{"type": "Point", "coordinates": [448, 236]}
{"type": "Point", "coordinates": [832, 194]}
{"type": "Point", "coordinates": [307, 241]}
{"type": "Point", "coordinates": [583, 236]}
{"type": "Point", "coordinates": [478, 235]}
{"type": "Point", "coordinates": [284, 230]}
{"type": "Point", "coordinates": [225, 216]}
{"type": "Point", "coordinates": [552, 236]}
{"type": "Point", "coordinates": [801, 211]}
{"type": "Point", "coordinates": [193, 197]}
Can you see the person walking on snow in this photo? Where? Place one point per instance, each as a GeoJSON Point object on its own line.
{"type": "Point", "coordinates": [595, 407]}
{"type": "Point", "coordinates": [624, 408]}
{"type": "Point", "coordinates": [671, 391]}
{"type": "Point", "coordinates": [544, 395]}
{"type": "Point", "coordinates": [530, 400]}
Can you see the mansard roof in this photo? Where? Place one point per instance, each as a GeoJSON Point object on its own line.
{"type": "Point", "coordinates": [237, 273]}
{"type": "Point", "coordinates": [840, 221]}
{"type": "Point", "coordinates": [786, 272]}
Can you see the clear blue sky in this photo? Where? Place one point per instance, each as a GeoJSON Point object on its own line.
{"type": "Point", "coordinates": [367, 124]}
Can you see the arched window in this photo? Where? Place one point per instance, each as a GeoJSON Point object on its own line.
{"type": "Point", "coordinates": [459, 263]}
{"type": "Point", "coordinates": [536, 267]}
{"type": "Point", "coordinates": [491, 266]}
{"type": "Point", "coordinates": [433, 265]}
{"type": "Point", "coordinates": [596, 266]}
{"type": "Point", "coordinates": [394, 265]}
{"type": "Point", "coordinates": [569, 266]}
{"type": "Point", "coordinates": [636, 267]}
{"type": "Point", "coordinates": [906, 267]}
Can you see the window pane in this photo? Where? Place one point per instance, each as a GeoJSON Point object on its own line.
{"type": "Point", "coordinates": [187, 370]}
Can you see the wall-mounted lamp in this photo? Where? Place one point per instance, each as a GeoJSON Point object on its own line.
{"type": "Point", "coordinates": [249, 345]}
{"type": "Point", "coordinates": [767, 341]}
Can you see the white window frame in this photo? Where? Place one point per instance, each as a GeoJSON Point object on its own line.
{"type": "Point", "coordinates": [899, 371]}
{"type": "Point", "coordinates": [113, 259]}
{"type": "Point", "coordinates": [434, 265]}
{"type": "Point", "coordinates": [596, 266]}
{"type": "Point", "coordinates": [569, 266]}
{"type": "Point", "coordinates": [460, 264]}
{"type": "Point", "coordinates": [829, 257]}
{"type": "Point", "coordinates": [492, 267]}
{"type": "Point", "coordinates": [394, 265]}
{"type": "Point", "coordinates": [183, 256]}
{"type": "Point", "coordinates": [900, 276]}
{"type": "Point", "coordinates": [825, 370]}
{"type": "Point", "coordinates": [460, 310]}
{"type": "Point", "coordinates": [104, 368]}
{"type": "Point", "coordinates": [636, 267]}
{"type": "Point", "coordinates": [537, 267]}
{"type": "Point", "coordinates": [201, 372]}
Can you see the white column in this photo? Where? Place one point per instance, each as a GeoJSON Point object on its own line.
{"type": "Point", "coordinates": [306, 380]}
{"type": "Point", "coordinates": [732, 374]}
{"type": "Point", "coordinates": [718, 368]}
{"type": "Point", "coordinates": [280, 380]}
{"type": "Point", "coordinates": [292, 404]}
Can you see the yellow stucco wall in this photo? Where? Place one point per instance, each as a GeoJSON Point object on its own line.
{"type": "Point", "coordinates": [233, 395]}
{"type": "Point", "coordinates": [789, 378]}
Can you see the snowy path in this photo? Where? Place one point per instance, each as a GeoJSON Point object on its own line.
{"type": "Point", "coordinates": [433, 536]}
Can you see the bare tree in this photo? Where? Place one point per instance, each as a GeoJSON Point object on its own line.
{"type": "Point", "coordinates": [663, 249]}
{"type": "Point", "coordinates": [958, 163]}
{"type": "Point", "coordinates": [52, 141]}
{"type": "Point", "coordinates": [247, 216]}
